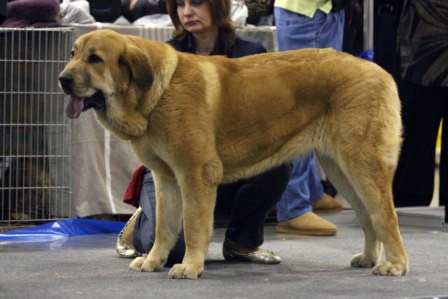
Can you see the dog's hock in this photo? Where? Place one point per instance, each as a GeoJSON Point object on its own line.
{"type": "Point", "coordinates": [138, 63]}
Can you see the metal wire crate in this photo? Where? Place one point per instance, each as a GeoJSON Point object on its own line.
{"type": "Point", "coordinates": [35, 183]}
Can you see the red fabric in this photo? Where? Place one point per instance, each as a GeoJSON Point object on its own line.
{"type": "Point", "coordinates": [132, 193]}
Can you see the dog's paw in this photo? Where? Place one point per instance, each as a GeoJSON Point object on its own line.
{"type": "Point", "coordinates": [360, 260]}
{"type": "Point", "coordinates": [387, 268]}
{"type": "Point", "coordinates": [189, 271]}
{"type": "Point", "coordinates": [136, 264]}
{"type": "Point", "coordinates": [153, 264]}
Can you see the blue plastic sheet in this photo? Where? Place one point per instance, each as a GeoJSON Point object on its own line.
{"type": "Point", "coordinates": [61, 229]}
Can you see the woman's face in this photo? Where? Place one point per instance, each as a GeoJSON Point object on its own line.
{"type": "Point", "coordinates": [195, 15]}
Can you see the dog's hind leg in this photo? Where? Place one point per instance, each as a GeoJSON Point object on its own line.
{"type": "Point", "coordinates": [168, 223]}
{"type": "Point", "coordinates": [375, 191]}
{"type": "Point", "coordinates": [372, 246]}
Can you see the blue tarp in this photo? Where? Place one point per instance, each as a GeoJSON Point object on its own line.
{"type": "Point", "coordinates": [61, 229]}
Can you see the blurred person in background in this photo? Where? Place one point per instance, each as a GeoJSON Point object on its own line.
{"type": "Point", "coordinates": [307, 24]}
{"type": "Point", "coordinates": [423, 84]}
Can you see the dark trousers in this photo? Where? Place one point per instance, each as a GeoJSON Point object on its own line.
{"type": "Point", "coordinates": [422, 110]}
{"type": "Point", "coordinates": [252, 200]}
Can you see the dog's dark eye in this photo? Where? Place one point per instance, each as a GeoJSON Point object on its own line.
{"type": "Point", "coordinates": [72, 53]}
{"type": "Point", "coordinates": [93, 58]}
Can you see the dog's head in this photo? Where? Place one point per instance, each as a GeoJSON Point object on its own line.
{"type": "Point", "coordinates": [104, 71]}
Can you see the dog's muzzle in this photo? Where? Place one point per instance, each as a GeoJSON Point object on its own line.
{"type": "Point", "coordinates": [76, 105]}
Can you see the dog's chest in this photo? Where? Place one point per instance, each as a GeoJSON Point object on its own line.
{"type": "Point", "coordinates": [151, 151]}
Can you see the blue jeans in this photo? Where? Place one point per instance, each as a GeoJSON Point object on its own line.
{"type": "Point", "coordinates": [145, 226]}
{"type": "Point", "coordinates": [295, 31]}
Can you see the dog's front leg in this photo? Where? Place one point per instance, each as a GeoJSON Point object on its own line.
{"type": "Point", "coordinates": [198, 199]}
{"type": "Point", "coordinates": [168, 223]}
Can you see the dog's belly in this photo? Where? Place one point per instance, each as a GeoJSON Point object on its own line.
{"type": "Point", "coordinates": [242, 147]}
{"type": "Point", "coordinates": [241, 151]}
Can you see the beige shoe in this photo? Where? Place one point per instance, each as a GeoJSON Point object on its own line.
{"type": "Point", "coordinates": [125, 239]}
{"type": "Point", "coordinates": [308, 224]}
{"type": "Point", "coordinates": [327, 203]}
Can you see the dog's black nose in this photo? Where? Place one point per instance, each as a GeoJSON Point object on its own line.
{"type": "Point", "coordinates": [66, 83]}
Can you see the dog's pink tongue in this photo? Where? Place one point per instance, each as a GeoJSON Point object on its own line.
{"type": "Point", "coordinates": [74, 107]}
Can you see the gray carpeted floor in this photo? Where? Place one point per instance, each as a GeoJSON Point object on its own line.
{"type": "Point", "coordinates": [312, 267]}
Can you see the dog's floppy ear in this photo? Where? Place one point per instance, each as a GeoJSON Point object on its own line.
{"type": "Point", "coordinates": [139, 66]}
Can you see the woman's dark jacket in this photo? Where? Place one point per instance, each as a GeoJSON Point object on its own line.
{"type": "Point", "coordinates": [238, 48]}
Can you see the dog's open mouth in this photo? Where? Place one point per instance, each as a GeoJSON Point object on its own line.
{"type": "Point", "coordinates": [77, 105]}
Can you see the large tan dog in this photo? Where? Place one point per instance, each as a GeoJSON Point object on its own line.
{"type": "Point", "coordinates": [198, 121]}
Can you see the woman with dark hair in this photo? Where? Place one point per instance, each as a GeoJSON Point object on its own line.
{"type": "Point", "coordinates": [204, 27]}
{"type": "Point", "coordinates": [207, 31]}
{"type": "Point", "coordinates": [220, 14]}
